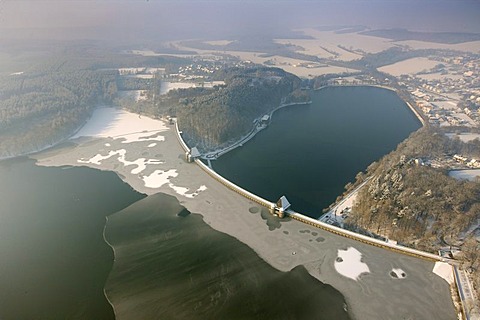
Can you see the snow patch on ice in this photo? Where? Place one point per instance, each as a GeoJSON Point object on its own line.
{"type": "Point", "coordinates": [397, 273]}
{"type": "Point", "coordinates": [444, 270]}
{"type": "Point", "coordinates": [158, 178]}
{"type": "Point", "coordinates": [140, 164]}
{"type": "Point", "coordinates": [349, 263]}
{"type": "Point", "coordinates": [183, 191]}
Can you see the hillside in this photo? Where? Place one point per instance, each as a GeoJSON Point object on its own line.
{"type": "Point", "coordinates": [416, 203]}
{"type": "Point", "coordinates": [209, 120]}
{"type": "Point", "coordinates": [38, 109]}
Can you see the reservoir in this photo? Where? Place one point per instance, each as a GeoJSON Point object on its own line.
{"type": "Point", "coordinates": [54, 261]}
{"type": "Point", "coordinates": [169, 264]}
{"type": "Point", "coordinates": [310, 152]}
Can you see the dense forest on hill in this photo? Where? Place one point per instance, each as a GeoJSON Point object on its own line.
{"type": "Point", "coordinates": [45, 98]}
{"type": "Point", "coordinates": [41, 108]}
{"type": "Point", "coordinates": [227, 113]}
{"type": "Point", "coordinates": [211, 117]}
{"type": "Point", "coordinates": [418, 205]}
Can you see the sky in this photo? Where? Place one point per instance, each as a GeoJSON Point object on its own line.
{"type": "Point", "coordinates": [222, 18]}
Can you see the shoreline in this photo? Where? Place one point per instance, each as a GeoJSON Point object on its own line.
{"type": "Point", "coordinates": [215, 154]}
{"type": "Point", "coordinates": [302, 217]}
{"type": "Point", "coordinates": [54, 144]}
{"type": "Point", "coordinates": [41, 149]}
{"type": "Point", "coordinates": [113, 262]}
{"type": "Point", "coordinates": [289, 245]}
{"type": "Point", "coordinates": [314, 222]}
{"type": "Point", "coordinates": [412, 109]}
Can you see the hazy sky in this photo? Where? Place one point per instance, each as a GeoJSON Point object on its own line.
{"type": "Point", "coordinates": [219, 18]}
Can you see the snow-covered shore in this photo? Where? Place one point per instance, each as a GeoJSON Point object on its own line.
{"type": "Point", "coordinates": [117, 123]}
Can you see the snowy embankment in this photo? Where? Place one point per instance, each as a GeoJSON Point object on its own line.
{"type": "Point", "coordinates": [129, 128]}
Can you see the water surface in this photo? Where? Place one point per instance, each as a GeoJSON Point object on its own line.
{"type": "Point", "coordinates": [172, 265]}
{"type": "Point", "coordinates": [53, 259]}
{"type": "Point", "coordinates": [310, 152]}
{"type": "Point", "coordinates": [169, 264]}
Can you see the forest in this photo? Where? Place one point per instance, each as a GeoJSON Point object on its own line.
{"type": "Point", "coordinates": [38, 109]}
{"type": "Point", "coordinates": [212, 117]}
{"type": "Point", "coordinates": [248, 95]}
{"type": "Point", "coordinates": [418, 205]}
{"type": "Point", "coordinates": [56, 93]}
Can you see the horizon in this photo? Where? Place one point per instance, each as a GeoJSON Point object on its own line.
{"type": "Point", "coordinates": [217, 19]}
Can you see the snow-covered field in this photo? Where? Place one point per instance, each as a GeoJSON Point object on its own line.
{"type": "Point", "coordinates": [311, 47]}
{"type": "Point", "coordinates": [121, 124]}
{"type": "Point", "coordinates": [168, 86]}
{"type": "Point", "coordinates": [409, 66]}
{"type": "Point", "coordinates": [349, 263]}
{"type": "Point", "coordinates": [473, 46]}
{"type": "Point", "coordinates": [439, 76]}
{"type": "Point", "coordinates": [219, 42]}
{"type": "Point", "coordinates": [288, 64]}
{"type": "Point", "coordinates": [351, 41]}
{"type": "Point", "coordinates": [467, 174]}
{"type": "Point", "coordinates": [465, 137]}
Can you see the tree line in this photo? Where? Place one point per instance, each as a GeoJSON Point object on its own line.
{"type": "Point", "coordinates": [419, 205]}
{"type": "Point", "coordinates": [225, 114]}
{"type": "Point", "coordinates": [39, 109]}
{"type": "Point", "coordinates": [211, 117]}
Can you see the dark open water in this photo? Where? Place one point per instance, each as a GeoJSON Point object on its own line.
{"type": "Point", "coordinates": [53, 259]}
{"type": "Point", "coordinates": [170, 264]}
{"type": "Point", "coordinates": [309, 153]}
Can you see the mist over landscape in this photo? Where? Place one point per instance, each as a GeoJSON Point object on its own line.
{"type": "Point", "coordinates": [230, 159]}
{"type": "Point", "coordinates": [133, 20]}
